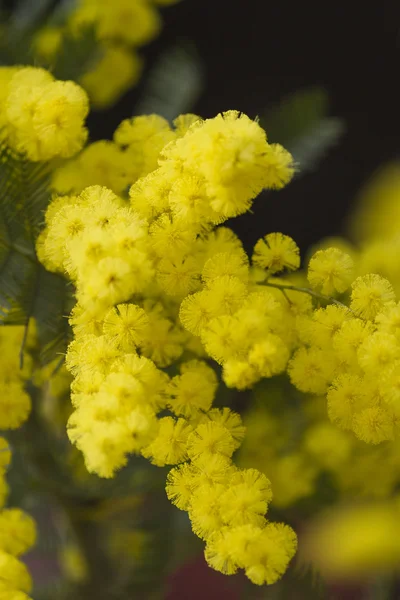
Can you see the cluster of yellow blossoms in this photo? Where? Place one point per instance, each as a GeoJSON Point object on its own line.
{"type": "Point", "coordinates": [132, 267]}
{"type": "Point", "coordinates": [351, 354]}
{"type": "Point", "coordinates": [162, 287]}
{"type": "Point", "coordinates": [15, 403]}
{"type": "Point", "coordinates": [17, 529]}
{"type": "Point", "coordinates": [301, 439]}
{"type": "Point", "coordinates": [120, 27]}
{"type": "Point", "coordinates": [40, 117]}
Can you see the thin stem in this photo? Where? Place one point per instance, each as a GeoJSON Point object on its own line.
{"type": "Point", "coordinates": [295, 288]}
{"type": "Point", "coordinates": [23, 344]}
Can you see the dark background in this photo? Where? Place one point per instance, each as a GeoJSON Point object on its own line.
{"type": "Point", "coordinates": [257, 51]}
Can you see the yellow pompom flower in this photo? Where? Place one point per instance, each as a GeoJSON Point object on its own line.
{"type": "Point", "coordinates": [209, 439]}
{"type": "Point", "coordinates": [246, 499]}
{"type": "Point", "coordinates": [189, 201]}
{"type": "Point", "coordinates": [388, 320]}
{"type": "Point", "coordinates": [110, 283]}
{"type": "Point", "coordinates": [370, 295]}
{"type": "Point", "coordinates": [143, 138]}
{"type": "Point", "coordinates": [266, 559]}
{"type": "Point", "coordinates": [6, 75]}
{"type": "Point", "coordinates": [211, 469]}
{"type": "Point", "coordinates": [374, 425]}
{"type": "Point", "coordinates": [326, 322]}
{"type": "Point", "coordinates": [239, 374]}
{"type": "Point", "coordinates": [178, 276]}
{"type": "Point", "coordinates": [15, 405]}
{"type": "Point", "coordinates": [264, 553]}
{"type": "Point", "coordinates": [195, 312]}
{"type": "Point", "coordinates": [349, 338]}
{"type": "Point", "coordinates": [205, 510]}
{"type": "Point", "coordinates": [311, 370]}
{"type": "Point", "coordinates": [169, 446]}
{"type": "Point", "coordinates": [102, 163]}
{"type": "Point", "coordinates": [345, 397]}
{"type": "Point", "coordinates": [6, 593]}
{"type": "Point", "coordinates": [117, 70]}
{"type": "Point", "coordinates": [153, 380]}
{"type": "Point", "coordinates": [221, 239]}
{"type": "Point", "coordinates": [47, 42]}
{"type": "Point", "coordinates": [24, 90]}
{"type": "Point", "coordinates": [218, 338]}
{"type": "Point", "coordinates": [170, 237]}
{"type": "Point", "coordinates": [165, 341]}
{"type": "Point", "coordinates": [90, 353]}
{"type": "Point", "coordinates": [231, 264]}
{"type": "Point", "coordinates": [226, 294]}
{"type": "Point", "coordinates": [377, 352]}
{"type": "Point", "coordinates": [134, 22]}
{"type": "Point", "coordinates": [270, 356]}
{"type": "Point", "coordinates": [179, 486]}
{"type": "Point", "coordinates": [354, 542]}
{"type": "Point", "coordinates": [17, 531]}
{"type": "Point", "coordinates": [193, 390]}
{"type": "Point", "coordinates": [105, 445]}
{"type": "Point", "coordinates": [219, 550]}
{"type": "Point", "coordinates": [146, 129]}
{"type": "Point", "coordinates": [14, 573]}
{"type": "Point", "coordinates": [52, 125]}
{"type": "Point", "coordinates": [228, 419]}
{"type": "Point", "coordinates": [276, 252]}
{"type": "Point", "coordinates": [330, 271]}
{"type": "Point", "coordinates": [126, 325]}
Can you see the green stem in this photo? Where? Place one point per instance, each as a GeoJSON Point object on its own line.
{"type": "Point", "coordinates": [295, 288]}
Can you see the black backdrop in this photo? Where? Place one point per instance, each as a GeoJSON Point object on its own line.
{"type": "Point", "coordinates": [257, 51]}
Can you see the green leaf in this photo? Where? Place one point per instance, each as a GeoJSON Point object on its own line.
{"type": "Point", "coordinates": [27, 290]}
{"type": "Point", "coordinates": [78, 54]}
{"type": "Point", "coordinates": [300, 123]}
{"type": "Point", "coordinates": [174, 84]}
{"type": "Point", "coordinates": [27, 14]}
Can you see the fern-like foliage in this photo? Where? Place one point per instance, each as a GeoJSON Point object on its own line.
{"type": "Point", "coordinates": [173, 85]}
{"type": "Point", "coordinates": [27, 290]}
{"type": "Point", "coordinates": [78, 53]}
{"type": "Point", "coordinates": [302, 125]}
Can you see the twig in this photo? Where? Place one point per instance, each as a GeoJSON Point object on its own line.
{"type": "Point", "coordinates": [284, 286]}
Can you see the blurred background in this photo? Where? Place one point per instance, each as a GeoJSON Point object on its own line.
{"type": "Point", "coordinates": [255, 53]}
{"type": "Point", "coordinates": [322, 78]}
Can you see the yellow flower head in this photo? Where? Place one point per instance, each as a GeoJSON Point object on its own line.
{"type": "Point", "coordinates": [169, 446]}
{"type": "Point", "coordinates": [209, 439]}
{"type": "Point", "coordinates": [370, 295]}
{"type": "Point", "coordinates": [193, 390]}
{"type": "Point", "coordinates": [14, 573]}
{"type": "Point", "coordinates": [330, 271]}
{"type": "Point", "coordinates": [276, 252]}
{"type": "Point", "coordinates": [126, 325]}
{"type": "Point", "coordinates": [17, 531]}
{"type": "Point", "coordinates": [46, 116]}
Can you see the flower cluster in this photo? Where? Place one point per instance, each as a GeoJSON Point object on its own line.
{"type": "Point", "coordinates": [240, 323]}
{"type": "Point", "coordinates": [17, 529]}
{"type": "Point", "coordinates": [40, 117]}
{"type": "Point", "coordinates": [277, 444]}
{"type": "Point", "coordinates": [121, 28]}
{"type": "Point", "coordinates": [132, 267]}
{"type": "Point", "coordinates": [15, 403]}
{"type": "Point", "coordinates": [351, 354]}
